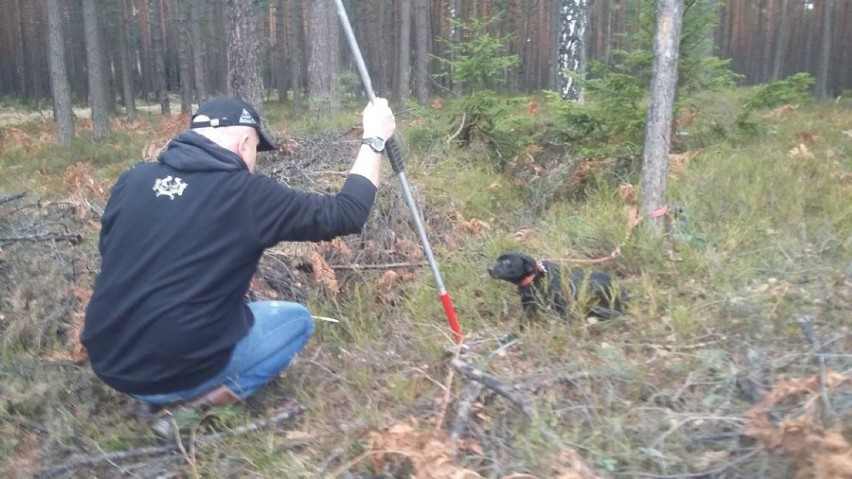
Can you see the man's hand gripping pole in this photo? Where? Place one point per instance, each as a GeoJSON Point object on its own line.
{"type": "Point", "coordinates": [395, 157]}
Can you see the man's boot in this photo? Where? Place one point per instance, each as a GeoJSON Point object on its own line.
{"type": "Point", "coordinates": [191, 411]}
{"type": "Point", "coordinates": [219, 396]}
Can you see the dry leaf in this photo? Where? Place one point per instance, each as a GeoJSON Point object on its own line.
{"type": "Point", "coordinates": [780, 112]}
{"type": "Point", "coordinates": [627, 193]}
{"type": "Point", "coordinates": [323, 273]}
{"type": "Point", "coordinates": [523, 234]}
{"type": "Point", "coordinates": [679, 162]}
{"type": "Point", "coordinates": [800, 151]}
{"type": "Point", "coordinates": [814, 450]}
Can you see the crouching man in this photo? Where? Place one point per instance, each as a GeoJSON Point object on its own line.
{"type": "Point", "coordinates": [180, 241]}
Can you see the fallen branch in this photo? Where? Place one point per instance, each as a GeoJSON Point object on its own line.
{"type": "Point", "coordinates": [379, 265]}
{"type": "Point", "coordinates": [461, 127]}
{"type": "Point", "coordinates": [468, 396]}
{"type": "Point", "coordinates": [120, 456]}
{"type": "Point", "coordinates": [708, 473]}
{"type": "Point", "coordinates": [807, 324]}
{"type": "Point", "coordinates": [510, 392]}
{"type": "Point", "coordinates": [73, 239]}
{"type": "Point", "coordinates": [12, 197]}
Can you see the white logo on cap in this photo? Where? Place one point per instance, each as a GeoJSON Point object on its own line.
{"type": "Point", "coordinates": [247, 118]}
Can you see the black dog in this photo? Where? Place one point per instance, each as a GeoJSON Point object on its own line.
{"type": "Point", "coordinates": [541, 285]}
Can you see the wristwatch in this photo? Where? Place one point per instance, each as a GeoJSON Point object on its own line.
{"type": "Point", "coordinates": [376, 143]}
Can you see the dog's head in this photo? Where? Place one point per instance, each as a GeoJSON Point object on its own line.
{"type": "Point", "coordinates": [513, 267]}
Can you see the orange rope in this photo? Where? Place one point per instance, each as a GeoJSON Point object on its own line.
{"type": "Point", "coordinates": [633, 222]}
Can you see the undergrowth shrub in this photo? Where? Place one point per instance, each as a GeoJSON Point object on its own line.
{"type": "Point", "coordinates": [786, 91]}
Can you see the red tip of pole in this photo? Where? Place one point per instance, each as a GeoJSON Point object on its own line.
{"type": "Point", "coordinates": [451, 317]}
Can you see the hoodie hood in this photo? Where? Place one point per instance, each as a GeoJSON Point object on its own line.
{"type": "Point", "coordinates": [193, 152]}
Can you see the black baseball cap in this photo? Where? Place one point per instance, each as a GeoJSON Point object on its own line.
{"type": "Point", "coordinates": [227, 111]}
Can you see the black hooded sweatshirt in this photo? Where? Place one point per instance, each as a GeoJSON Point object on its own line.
{"type": "Point", "coordinates": [180, 241]}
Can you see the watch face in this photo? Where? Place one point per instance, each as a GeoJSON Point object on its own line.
{"type": "Point", "coordinates": [377, 144]}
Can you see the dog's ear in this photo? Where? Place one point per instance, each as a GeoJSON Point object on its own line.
{"type": "Point", "coordinates": [529, 265]}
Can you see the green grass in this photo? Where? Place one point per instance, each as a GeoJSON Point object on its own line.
{"type": "Point", "coordinates": [629, 396]}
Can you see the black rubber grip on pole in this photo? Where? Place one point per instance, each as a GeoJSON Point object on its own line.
{"type": "Point", "coordinates": [394, 155]}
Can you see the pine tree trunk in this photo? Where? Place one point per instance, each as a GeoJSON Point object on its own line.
{"type": "Point", "coordinates": [198, 51]}
{"type": "Point", "coordinates": [158, 52]}
{"type": "Point", "coordinates": [324, 57]}
{"type": "Point", "coordinates": [244, 80]}
{"type": "Point", "coordinates": [62, 112]}
{"type": "Point", "coordinates": [126, 68]}
{"type": "Point", "coordinates": [281, 52]}
{"type": "Point", "coordinates": [184, 60]}
{"type": "Point", "coordinates": [94, 59]}
{"type": "Point", "coordinates": [295, 34]}
{"type": "Point", "coordinates": [421, 51]}
{"type": "Point", "coordinates": [821, 85]}
{"type": "Point", "coordinates": [403, 88]}
{"type": "Point", "coordinates": [658, 127]}
{"type": "Point", "coordinates": [781, 41]}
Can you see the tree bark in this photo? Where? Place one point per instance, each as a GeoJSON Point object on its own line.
{"type": "Point", "coordinates": [244, 80]}
{"type": "Point", "coordinates": [421, 51]}
{"type": "Point", "coordinates": [198, 51]}
{"type": "Point", "coordinates": [821, 85]}
{"type": "Point", "coordinates": [295, 35]}
{"type": "Point", "coordinates": [62, 112]}
{"type": "Point", "coordinates": [184, 61]}
{"type": "Point", "coordinates": [781, 41]}
{"type": "Point", "coordinates": [159, 54]}
{"type": "Point", "coordinates": [127, 70]}
{"type": "Point", "coordinates": [570, 48]}
{"type": "Point", "coordinates": [97, 81]}
{"type": "Point", "coordinates": [659, 120]}
{"type": "Point", "coordinates": [403, 88]}
{"type": "Point", "coordinates": [324, 57]}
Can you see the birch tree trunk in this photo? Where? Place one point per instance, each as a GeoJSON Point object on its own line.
{"type": "Point", "coordinates": [97, 81]}
{"type": "Point", "coordinates": [659, 120]}
{"type": "Point", "coordinates": [62, 112]}
{"type": "Point", "coordinates": [570, 47]}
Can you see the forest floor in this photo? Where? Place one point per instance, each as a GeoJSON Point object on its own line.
{"type": "Point", "coordinates": [734, 359]}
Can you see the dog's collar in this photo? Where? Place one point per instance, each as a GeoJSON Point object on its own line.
{"type": "Point", "coordinates": [540, 269]}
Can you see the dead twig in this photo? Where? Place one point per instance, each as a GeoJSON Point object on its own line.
{"type": "Point", "coordinates": [807, 324]}
{"type": "Point", "coordinates": [461, 128]}
{"type": "Point", "coordinates": [73, 239]}
{"type": "Point", "coordinates": [708, 473]}
{"type": "Point", "coordinates": [7, 198]}
{"type": "Point", "coordinates": [466, 399]}
{"type": "Point", "coordinates": [510, 392]}
{"type": "Point", "coordinates": [119, 456]}
{"type": "Point", "coordinates": [379, 266]}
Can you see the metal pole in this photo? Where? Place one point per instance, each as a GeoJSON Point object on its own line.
{"type": "Point", "coordinates": [395, 157]}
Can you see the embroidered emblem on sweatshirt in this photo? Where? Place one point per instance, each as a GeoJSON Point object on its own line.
{"type": "Point", "coordinates": [169, 186]}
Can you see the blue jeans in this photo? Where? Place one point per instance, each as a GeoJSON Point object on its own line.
{"type": "Point", "coordinates": [281, 329]}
